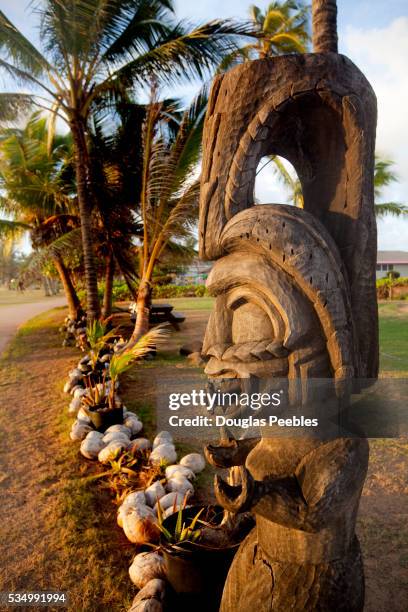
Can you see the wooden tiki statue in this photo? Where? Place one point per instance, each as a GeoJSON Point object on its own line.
{"type": "Point", "coordinates": [295, 298]}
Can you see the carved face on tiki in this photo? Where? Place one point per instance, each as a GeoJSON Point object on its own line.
{"type": "Point", "coordinates": [277, 293]}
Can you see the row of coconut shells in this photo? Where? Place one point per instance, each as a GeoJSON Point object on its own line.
{"type": "Point", "coordinates": [138, 513]}
{"type": "Point", "coordinates": [138, 516]}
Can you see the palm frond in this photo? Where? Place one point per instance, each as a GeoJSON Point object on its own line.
{"type": "Point", "coordinates": [274, 19]}
{"type": "Point", "coordinates": [390, 208]}
{"type": "Point", "coordinates": [12, 229]}
{"type": "Point", "coordinates": [289, 42]}
{"type": "Point", "coordinates": [121, 361]}
{"type": "Point", "coordinates": [183, 214]}
{"type": "Point", "coordinates": [20, 50]}
{"type": "Point", "coordinates": [20, 76]}
{"type": "Point", "coordinates": [69, 242]}
{"type": "Point", "coordinates": [148, 22]}
{"type": "Point", "coordinates": [384, 174]}
{"type": "Point", "coordinates": [187, 146]}
{"type": "Point", "coordinates": [236, 57]}
{"type": "Point", "coordinates": [183, 53]}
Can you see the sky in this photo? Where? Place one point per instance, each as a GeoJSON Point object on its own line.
{"type": "Point", "coordinates": [372, 33]}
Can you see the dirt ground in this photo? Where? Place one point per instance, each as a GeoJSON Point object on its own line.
{"type": "Point", "coordinates": [57, 532]}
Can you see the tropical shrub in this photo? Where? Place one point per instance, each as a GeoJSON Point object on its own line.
{"type": "Point", "coordinates": [384, 285]}
{"type": "Point", "coordinates": [170, 291]}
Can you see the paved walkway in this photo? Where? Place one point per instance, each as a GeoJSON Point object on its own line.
{"type": "Point", "coordinates": [14, 315]}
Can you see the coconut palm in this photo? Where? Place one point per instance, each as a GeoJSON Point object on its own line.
{"type": "Point", "coordinates": [95, 49]}
{"type": "Point", "coordinates": [282, 28]}
{"type": "Point", "coordinates": [384, 175]}
{"type": "Point", "coordinates": [170, 189]}
{"type": "Point", "coordinates": [324, 16]}
{"type": "Point", "coordinates": [11, 233]}
{"type": "Point", "coordinates": [36, 192]}
{"type": "Point", "coordinates": [116, 162]}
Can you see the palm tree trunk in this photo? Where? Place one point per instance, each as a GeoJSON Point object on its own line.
{"type": "Point", "coordinates": [74, 305]}
{"type": "Point", "coordinates": [82, 171]}
{"type": "Point", "coordinates": [130, 278]}
{"type": "Point", "coordinates": [107, 296]}
{"type": "Point", "coordinates": [324, 15]}
{"type": "Point", "coordinates": [143, 306]}
{"type": "Point", "coordinates": [46, 286]}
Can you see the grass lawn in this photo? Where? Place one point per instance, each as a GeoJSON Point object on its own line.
{"type": "Point", "coordinates": [203, 303]}
{"type": "Point", "coordinates": [393, 319]}
{"type": "Point", "coordinates": [57, 528]}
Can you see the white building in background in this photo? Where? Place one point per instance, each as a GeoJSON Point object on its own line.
{"type": "Point", "coordinates": [392, 260]}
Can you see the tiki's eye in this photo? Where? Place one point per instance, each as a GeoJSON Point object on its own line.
{"type": "Point", "coordinates": [250, 322]}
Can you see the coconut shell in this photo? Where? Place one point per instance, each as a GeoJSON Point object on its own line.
{"type": "Point", "coordinates": [145, 567]}
{"type": "Point", "coordinates": [139, 525]}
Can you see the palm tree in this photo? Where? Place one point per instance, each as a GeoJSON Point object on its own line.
{"type": "Point", "coordinates": [32, 167]}
{"type": "Point", "coordinates": [290, 181]}
{"type": "Point", "coordinates": [116, 156]}
{"type": "Point", "coordinates": [282, 28]}
{"type": "Point", "coordinates": [95, 49]}
{"type": "Point", "coordinates": [170, 189]}
{"type": "Point", "coordinates": [384, 175]}
{"type": "Point", "coordinates": [324, 17]}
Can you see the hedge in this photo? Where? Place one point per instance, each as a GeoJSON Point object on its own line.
{"type": "Point", "coordinates": [121, 292]}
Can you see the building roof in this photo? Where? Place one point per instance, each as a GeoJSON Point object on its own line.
{"type": "Point", "coordinates": [392, 257]}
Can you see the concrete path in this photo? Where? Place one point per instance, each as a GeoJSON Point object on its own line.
{"type": "Point", "coordinates": [14, 315]}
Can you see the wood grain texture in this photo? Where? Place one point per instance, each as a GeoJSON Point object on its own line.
{"type": "Point", "coordinates": [319, 112]}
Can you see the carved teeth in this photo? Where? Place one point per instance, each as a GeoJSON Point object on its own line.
{"type": "Point", "coordinates": [230, 353]}
{"type": "Point", "coordinates": [243, 351]}
{"type": "Point", "coordinates": [259, 350]}
{"type": "Point", "coordinates": [246, 352]}
{"type": "Point", "coordinates": [216, 368]}
{"type": "Point", "coordinates": [217, 350]}
{"type": "Point", "coordinates": [239, 352]}
{"type": "Point", "coordinates": [277, 349]}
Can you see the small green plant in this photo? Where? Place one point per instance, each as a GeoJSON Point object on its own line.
{"type": "Point", "coordinates": [98, 336]}
{"type": "Point", "coordinates": [100, 394]}
{"type": "Point", "coordinates": [127, 473]}
{"type": "Point", "coordinates": [96, 395]}
{"type": "Point", "coordinates": [181, 532]}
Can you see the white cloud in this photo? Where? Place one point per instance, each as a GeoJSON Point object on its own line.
{"type": "Point", "coordinates": [381, 53]}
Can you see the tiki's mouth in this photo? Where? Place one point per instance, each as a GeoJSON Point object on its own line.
{"type": "Point", "coordinates": [242, 360]}
{"type": "Point", "coordinates": [246, 352]}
